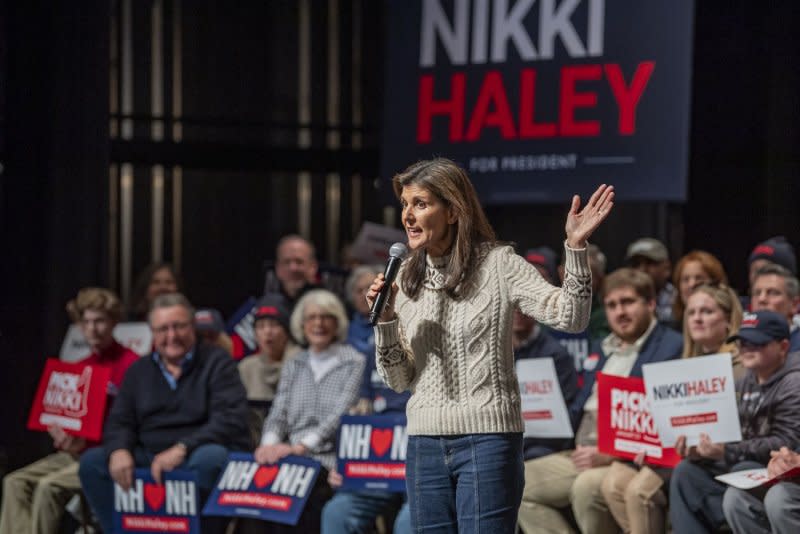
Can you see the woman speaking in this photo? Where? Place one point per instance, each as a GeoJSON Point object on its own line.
{"type": "Point", "coordinates": [445, 335]}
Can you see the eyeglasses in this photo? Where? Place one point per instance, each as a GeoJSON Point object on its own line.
{"type": "Point", "coordinates": [324, 317]}
{"type": "Point", "coordinates": [178, 327]}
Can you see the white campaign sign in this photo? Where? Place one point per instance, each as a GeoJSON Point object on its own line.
{"type": "Point", "coordinates": [135, 336]}
{"type": "Point", "coordinates": [543, 408]}
{"type": "Point", "coordinates": [748, 479]}
{"type": "Point", "coordinates": [693, 396]}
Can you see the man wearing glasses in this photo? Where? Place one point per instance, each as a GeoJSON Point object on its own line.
{"type": "Point", "coordinates": [183, 406]}
{"type": "Point", "coordinates": [769, 403]}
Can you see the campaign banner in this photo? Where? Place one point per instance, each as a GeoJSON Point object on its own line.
{"type": "Point", "coordinates": [625, 425]}
{"type": "Point", "coordinates": [372, 452]}
{"type": "Point", "coordinates": [576, 344]}
{"type": "Point", "coordinates": [71, 396]}
{"type": "Point", "coordinates": [693, 396]}
{"type": "Point", "coordinates": [149, 507]}
{"type": "Point", "coordinates": [543, 409]}
{"type": "Point", "coordinates": [541, 100]}
{"type": "Point", "coordinates": [271, 492]}
{"type": "Point", "coordinates": [372, 244]}
{"type": "Point", "coordinates": [754, 478]}
{"type": "Point", "coordinates": [135, 335]}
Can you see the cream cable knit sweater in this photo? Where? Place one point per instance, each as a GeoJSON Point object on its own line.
{"type": "Point", "coordinates": [456, 357]}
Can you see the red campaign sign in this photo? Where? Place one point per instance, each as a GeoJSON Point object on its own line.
{"type": "Point", "coordinates": [71, 396]}
{"type": "Point", "coordinates": [625, 425]}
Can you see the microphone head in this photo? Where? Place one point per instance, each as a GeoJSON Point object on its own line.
{"type": "Point", "coordinates": [398, 250]}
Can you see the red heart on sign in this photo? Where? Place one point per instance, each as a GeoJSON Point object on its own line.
{"type": "Point", "coordinates": [154, 495]}
{"type": "Point", "coordinates": [381, 440]}
{"type": "Point", "coordinates": [265, 475]}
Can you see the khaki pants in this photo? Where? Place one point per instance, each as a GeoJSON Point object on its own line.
{"type": "Point", "coordinates": [34, 496]}
{"type": "Point", "coordinates": [552, 483]}
{"type": "Point", "coordinates": [635, 499]}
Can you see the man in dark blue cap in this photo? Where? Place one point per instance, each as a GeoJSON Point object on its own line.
{"type": "Point", "coordinates": [769, 401]}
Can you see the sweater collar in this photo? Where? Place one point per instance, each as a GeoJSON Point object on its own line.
{"type": "Point", "coordinates": [436, 271]}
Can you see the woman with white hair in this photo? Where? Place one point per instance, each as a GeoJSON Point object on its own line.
{"type": "Point", "coordinates": [315, 389]}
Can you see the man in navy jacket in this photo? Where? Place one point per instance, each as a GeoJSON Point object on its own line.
{"type": "Point", "coordinates": [184, 406]}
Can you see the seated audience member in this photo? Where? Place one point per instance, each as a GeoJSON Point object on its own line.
{"type": "Point", "coordinates": [316, 387]}
{"type": "Point", "coordinates": [778, 511]}
{"type": "Point", "coordinates": [651, 256]}
{"type": "Point", "coordinates": [775, 250]}
{"type": "Point", "coordinates": [768, 407]}
{"type": "Point", "coordinates": [296, 271]}
{"type": "Point", "coordinates": [634, 495]}
{"type": "Point", "coordinates": [183, 406]}
{"type": "Point", "coordinates": [695, 268]}
{"type": "Point", "coordinates": [713, 314]}
{"type": "Point", "coordinates": [356, 511]}
{"type": "Point", "coordinates": [775, 288]}
{"type": "Point", "coordinates": [529, 340]}
{"type": "Point", "coordinates": [210, 329]}
{"type": "Point", "coordinates": [34, 496]}
{"type": "Point", "coordinates": [296, 267]}
{"type": "Point", "coordinates": [359, 333]}
{"type": "Point", "coordinates": [573, 477]}
{"type": "Point", "coordinates": [260, 372]}
{"type": "Point", "coordinates": [156, 279]}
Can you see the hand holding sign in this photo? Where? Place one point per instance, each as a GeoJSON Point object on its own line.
{"type": "Point", "coordinates": [782, 461]}
{"type": "Point", "coordinates": [167, 461]}
{"type": "Point", "coordinates": [120, 466]}
{"type": "Point", "coordinates": [66, 442]}
{"type": "Point", "coordinates": [270, 454]}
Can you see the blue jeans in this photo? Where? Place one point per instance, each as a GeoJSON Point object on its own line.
{"type": "Point", "coordinates": [695, 497]}
{"type": "Point", "coordinates": [206, 460]}
{"type": "Point", "coordinates": [466, 483]}
{"type": "Point", "coordinates": [354, 512]}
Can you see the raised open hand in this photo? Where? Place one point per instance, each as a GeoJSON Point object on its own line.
{"type": "Point", "coordinates": [581, 224]}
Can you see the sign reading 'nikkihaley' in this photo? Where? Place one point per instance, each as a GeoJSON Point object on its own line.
{"type": "Point", "coordinates": [693, 396]}
{"type": "Point", "coordinates": [540, 99]}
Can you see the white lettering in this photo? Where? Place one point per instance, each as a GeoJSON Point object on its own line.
{"type": "Point", "coordinates": [454, 38]}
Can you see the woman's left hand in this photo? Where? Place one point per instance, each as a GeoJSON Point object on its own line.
{"type": "Point", "coordinates": [581, 225]}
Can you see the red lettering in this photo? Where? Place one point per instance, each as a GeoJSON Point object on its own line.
{"type": "Point", "coordinates": [492, 91]}
{"type": "Point", "coordinates": [528, 128]}
{"type": "Point", "coordinates": [428, 107]}
{"type": "Point", "coordinates": [627, 97]}
{"type": "Point", "coordinates": [572, 99]}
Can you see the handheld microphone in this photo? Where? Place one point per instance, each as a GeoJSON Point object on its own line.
{"type": "Point", "coordinates": [397, 252]}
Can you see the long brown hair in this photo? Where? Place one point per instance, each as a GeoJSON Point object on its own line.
{"type": "Point", "coordinates": [451, 185]}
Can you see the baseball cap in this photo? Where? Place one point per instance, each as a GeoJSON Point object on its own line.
{"type": "Point", "coordinates": [761, 327]}
{"type": "Point", "coordinates": [647, 247]}
{"type": "Point", "coordinates": [777, 250]}
{"type": "Point", "coordinates": [272, 307]}
{"type": "Point", "coordinates": [208, 320]}
{"type": "Point", "coordinates": [544, 257]}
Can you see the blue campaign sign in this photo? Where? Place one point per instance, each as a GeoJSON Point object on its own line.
{"type": "Point", "coordinates": [372, 452]}
{"type": "Point", "coordinates": [241, 324]}
{"type": "Point", "coordinates": [576, 344]}
{"type": "Point", "coordinates": [542, 100]}
{"type": "Point", "coordinates": [274, 492]}
{"type": "Point", "coordinates": [149, 507]}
